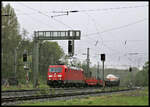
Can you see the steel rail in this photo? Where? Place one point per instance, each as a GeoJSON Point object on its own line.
{"type": "Point", "coordinates": [65, 94]}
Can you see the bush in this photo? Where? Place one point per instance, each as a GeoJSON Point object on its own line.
{"type": "Point", "coordinates": [141, 78]}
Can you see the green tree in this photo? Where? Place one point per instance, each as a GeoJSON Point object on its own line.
{"type": "Point", "coordinates": [25, 44]}
{"type": "Point", "coordinates": [141, 78]}
{"type": "Point", "coordinates": [10, 40]}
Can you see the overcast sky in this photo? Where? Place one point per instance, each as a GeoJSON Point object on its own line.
{"type": "Point", "coordinates": [113, 28]}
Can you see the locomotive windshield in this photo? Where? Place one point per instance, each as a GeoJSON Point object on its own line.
{"type": "Point", "coordinates": [55, 69]}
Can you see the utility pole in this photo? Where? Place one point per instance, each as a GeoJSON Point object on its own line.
{"type": "Point", "coordinates": [88, 61]}
{"type": "Point", "coordinates": [98, 70]}
{"type": "Point", "coordinates": [15, 68]}
{"type": "Point", "coordinates": [131, 79]}
{"type": "Point", "coordinates": [103, 74]}
{"type": "Point", "coordinates": [131, 82]}
{"type": "Point", "coordinates": [36, 62]}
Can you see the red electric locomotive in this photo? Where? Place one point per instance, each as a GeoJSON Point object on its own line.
{"type": "Point", "coordinates": [66, 76]}
{"type": "Point", "coordinates": [62, 75]}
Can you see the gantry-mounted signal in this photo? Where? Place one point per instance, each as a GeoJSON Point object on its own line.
{"type": "Point", "coordinates": [71, 47]}
{"type": "Point", "coordinates": [58, 35]}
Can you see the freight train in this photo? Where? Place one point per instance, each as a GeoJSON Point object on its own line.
{"type": "Point", "coordinates": [67, 76]}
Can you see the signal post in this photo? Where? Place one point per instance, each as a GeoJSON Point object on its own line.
{"type": "Point", "coordinates": [103, 59]}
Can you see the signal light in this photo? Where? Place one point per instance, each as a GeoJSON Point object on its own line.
{"type": "Point", "coordinates": [24, 57]}
{"type": "Point", "coordinates": [130, 69]}
{"type": "Point", "coordinates": [102, 57]}
{"type": "Point", "coordinates": [70, 47]}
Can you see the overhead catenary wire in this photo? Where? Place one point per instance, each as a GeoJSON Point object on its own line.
{"type": "Point", "coordinates": [114, 50]}
{"type": "Point", "coordinates": [46, 15]}
{"type": "Point", "coordinates": [62, 23]}
{"type": "Point", "coordinates": [34, 10]}
{"type": "Point", "coordinates": [103, 9]}
{"type": "Point", "coordinates": [116, 28]}
{"type": "Point", "coordinates": [96, 29]}
{"type": "Point", "coordinates": [85, 11]}
{"type": "Point", "coordinates": [119, 28]}
{"type": "Point", "coordinates": [41, 21]}
{"type": "Point", "coordinates": [109, 48]}
{"type": "Point", "coordinates": [113, 8]}
{"type": "Point", "coordinates": [90, 10]}
{"type": "Point", "coordinates": [117, 52]}
{"type": "Point", "coordinates": [35, 19]}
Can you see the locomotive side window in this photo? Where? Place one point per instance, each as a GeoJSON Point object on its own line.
{"type": "Point", "coordinates": [55, 70]}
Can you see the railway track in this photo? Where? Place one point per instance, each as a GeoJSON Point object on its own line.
{"type": "Point", "coordinates": [10, 93]}
{"type": "Point", "coordinates": [57, 94]}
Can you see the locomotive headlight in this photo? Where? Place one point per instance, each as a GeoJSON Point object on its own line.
{"type": "Point", "coordinates": [50, 75]}
{"type": "Point", "coordinates": [59, 75]}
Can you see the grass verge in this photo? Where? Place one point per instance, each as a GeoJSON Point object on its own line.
{"type": "Point", "coordinates": [138, 97]}
{"type": "Point", "coordinates": [23, 87]}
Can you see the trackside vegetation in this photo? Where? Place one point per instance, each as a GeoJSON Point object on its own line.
{"type": "Point", "coordinates": [133, 98]}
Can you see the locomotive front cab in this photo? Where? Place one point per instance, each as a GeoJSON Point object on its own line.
{"type": "Point", "coordinates": [55, 75]}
